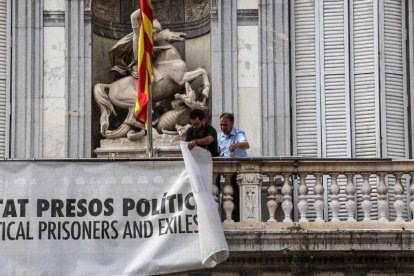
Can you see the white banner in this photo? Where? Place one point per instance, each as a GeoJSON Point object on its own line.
{"type": "Point", "coordinates": [109, 218]}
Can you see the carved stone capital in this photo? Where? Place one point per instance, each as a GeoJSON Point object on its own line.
{"type": "Point", "coordinates": [253, 178]}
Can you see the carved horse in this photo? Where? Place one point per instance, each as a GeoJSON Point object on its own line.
{"type": "Point", "coordinates": [170, 76]}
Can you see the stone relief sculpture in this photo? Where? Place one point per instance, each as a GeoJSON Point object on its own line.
{"type": "Point", "coordinates": [250, 202]}
{"type": "Point", "coordinates": [172, 94]}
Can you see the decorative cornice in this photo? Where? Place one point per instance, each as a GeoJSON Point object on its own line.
{"type": "Point", "coordinates": [54, 18]}
{"type": "Point", "coordinates": [247, 17]}
{"type": "Point", "coordinates": [57, 18]}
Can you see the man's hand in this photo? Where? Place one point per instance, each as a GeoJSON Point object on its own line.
{"type": "Point", "coordinates": [233, 147]}
{"type": "Point", "coordinates": [192, 144]}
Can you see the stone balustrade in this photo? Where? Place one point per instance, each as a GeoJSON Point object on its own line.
{"type": "Point", "coordinates": [314, 190]}
{"type": "Point", "coordinates": [335, 216]}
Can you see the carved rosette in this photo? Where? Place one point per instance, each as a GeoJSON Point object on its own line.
{"type": "Point", "coordinates": [250, 200]}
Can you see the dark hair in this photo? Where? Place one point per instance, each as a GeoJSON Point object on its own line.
{"type": "Point", "coordinates": [197, 113]}
{"type": "Point", "coordinates": [227, 115]}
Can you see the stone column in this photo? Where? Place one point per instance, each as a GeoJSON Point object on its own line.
{"type": "Point", "coordinates": [78, 78]}
{"type": "Point", "coordinates": [223, 57]}
{"type": "Point", "coordinates": [250, 183]}
{"type": "Point", "coordinates": [27, 79]}
{"type": "Point", "coordinates": [274, 74]}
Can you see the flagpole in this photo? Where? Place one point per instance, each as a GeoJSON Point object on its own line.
{"type": "Point", "coordinates": [150, 150]}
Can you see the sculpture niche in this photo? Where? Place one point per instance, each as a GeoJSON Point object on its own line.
{"type": "Point", "coordinates": [172, 95]}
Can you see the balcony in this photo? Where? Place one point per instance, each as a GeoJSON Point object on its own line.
{"type": "Point", "coordinates": [304, 215]}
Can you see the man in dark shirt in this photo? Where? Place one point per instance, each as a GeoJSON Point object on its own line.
{"type": "Point", "coordinates": [200, 134]}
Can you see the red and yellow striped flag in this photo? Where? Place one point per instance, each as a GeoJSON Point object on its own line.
{"type": "Point", "coordinates": [144, 60]}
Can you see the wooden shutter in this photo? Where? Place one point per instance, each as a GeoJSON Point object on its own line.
{"type": "Point", "coordinates": [364, 79]}
{"type": "Point", "coordinates": [393, 79]}
{"type": "Point", "coordinates": [335, 112]}
{"type": "Point", "coordinates": [3, 77]}
{"type": "Point", "coordinates": [305, 79]}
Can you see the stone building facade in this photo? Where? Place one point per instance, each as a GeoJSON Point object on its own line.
{"type": "Point", "coordinates": [306, 78]}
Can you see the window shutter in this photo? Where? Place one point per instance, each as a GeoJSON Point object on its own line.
{"type": "Point", "coordinates": [305, 79]}
{"type": "Point", "coordinates": [393, 76]}
{"type": "Point", "coordinates": [364, 80]}
{"type": "Point", "coordinates": [336, 132]}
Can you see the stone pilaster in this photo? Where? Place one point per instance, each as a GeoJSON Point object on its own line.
{"type": "Point", "coordinates": [274, 82]}
{"type": "Point", "coordinates": [26, 79]}
{"type": "Point", "coordinates": [250, 183]}
{"type": "Point", "coordinates": [78, 78]}
{"type": "Point", "coordinates": [223, 57]}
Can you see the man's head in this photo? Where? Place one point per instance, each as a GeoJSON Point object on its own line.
{"type": "Point", "coordinates": [226, 122]}
{"type": "Point", "coordinates": [197, 119]}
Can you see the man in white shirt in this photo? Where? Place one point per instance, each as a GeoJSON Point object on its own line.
{"type": "Point", "coordinates": [232, 142]}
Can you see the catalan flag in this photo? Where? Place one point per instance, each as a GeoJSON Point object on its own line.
{"type": "Point", "coordinates": [144, 60]}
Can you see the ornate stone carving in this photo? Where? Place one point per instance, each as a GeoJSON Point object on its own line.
{"type": "Point", "coordinates": [87, 4]}
{"type": "Point", "coordinates": [171, 78]}
{"type": "Point", "coordinates": [196, 9]}
{"type": "Point", "coordinates": [107, 10]}
{"type": "Point", "coordinates": [250, 202]}
{"type": "Point", "coordinates": [111, 17]}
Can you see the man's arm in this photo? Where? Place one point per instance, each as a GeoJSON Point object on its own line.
{"type": "Point", "coordinates": [204, 141]}
{"type": "Point", "coordinates": [211, 136]}
{"type": "Point", "coordinates": [241, 143]}
{"type": "Point", "coordinates": [200, 142]}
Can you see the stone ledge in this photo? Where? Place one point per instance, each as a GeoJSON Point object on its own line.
{"type": "Point", "coordinates": [317, 226]}
{"type": "Point", "coordinates": [308, 263]}
{"type": "Point", "coordinates": [321, 237]}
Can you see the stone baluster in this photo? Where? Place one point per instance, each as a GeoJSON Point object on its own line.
{"type": "Point", "coordinates": [215, 190]}
{"type": "Point", "coordinates": [303, 192]}
{"type": "Point", "coordinates": [250, 195]}
{"type": "Point", "coordinates": [382, 198]}
{"type": "Point", "coordinates": [271, 198]}
{"type": "Point", "coordinates": [398, 203]}
{"type": "Point", "coordinates": [412, 194]}
{"type": "Point", "coordinates": [334, 192]}
{"type": "Point", "coordinates": [350, 196]}
{"type": "Point", "coordinates": [318, 191]}
{"type": "Point", "coordinates": [287, 204]}
{"type": "Point", "coordinates": [228, 204]}
{"type": "Point", "coordinates": [366, 196]}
